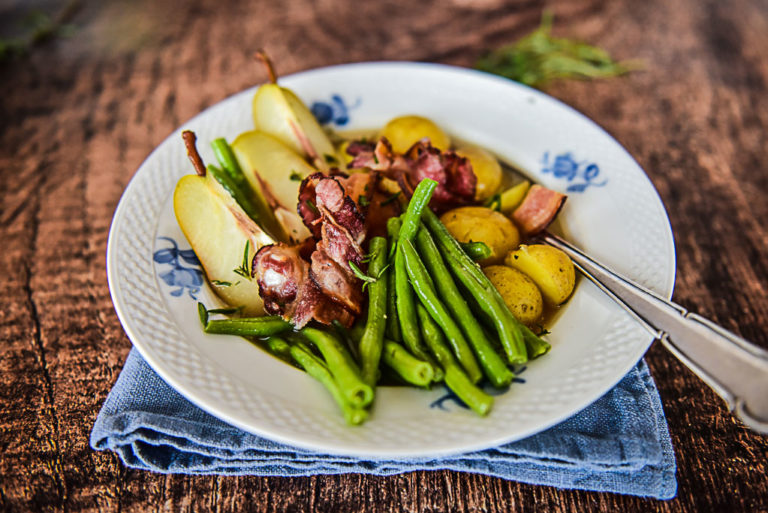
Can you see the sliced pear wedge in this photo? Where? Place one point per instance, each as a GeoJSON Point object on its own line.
{"type": "Point", "coordinates": [280, 113]}
{"type": "Point", "coordinates": [218, 230]}
{"type": "Point", "coordinates": [274, 170]}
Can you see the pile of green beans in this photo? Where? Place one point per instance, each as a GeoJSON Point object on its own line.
{"type": "Point", "coordinates": [420, 325]}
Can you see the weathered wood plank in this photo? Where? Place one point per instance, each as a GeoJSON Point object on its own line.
{"type": "Point", "coordinates": [79, 116]}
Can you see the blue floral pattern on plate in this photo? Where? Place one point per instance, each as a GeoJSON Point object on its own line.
{"type": "Point", "coordinates": [580, 175]}
{"type": "Point", "coordinates": [182, 278]}
{"type": "Point", "coordinates": [335, 111]}
{"type": "Point", "coordinates": [487, 388]}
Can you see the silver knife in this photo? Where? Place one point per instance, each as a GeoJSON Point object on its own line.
{"type": "Point", "coordinates": [734, 368]}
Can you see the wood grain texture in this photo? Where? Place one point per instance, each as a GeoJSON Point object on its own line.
{"type": "Point", "coordinates": [80, 114]}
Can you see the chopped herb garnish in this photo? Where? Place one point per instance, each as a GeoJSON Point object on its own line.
{"type": "Point", "coordinates": [361, 275]}
{"type": "Point", "coordinates": [539, 58]}
{"type": "Point", "coordinates": [383, 270]}
{"type": "Point", "coordinates": [390, 199]}
{"type": "Point", "coordinates": [295, 176]}
{"type": "Point", "coordinates": [221, 283]}
{"type": "Point", "coordinates": [244, 269]}
{"type": "Point", "coordinates": [330, 159]}
{"type": "Point", "coordinates": [368, 257]}
{"type": "Point", "coordinates": [375, 158]}
{"type": "Point", "coordinates": [363, 201]}
{"type": "Point", "coordinates": [312, 206]}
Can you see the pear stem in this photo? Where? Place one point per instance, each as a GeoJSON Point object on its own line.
{"type": "Point", "coordinates": [265, 60]}
{"type": "Point", "coordinates": [189, 141]}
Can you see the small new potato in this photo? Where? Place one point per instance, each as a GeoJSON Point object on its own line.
{"type": "Point", "coordinates": [486, 168]}
{"type": "Point", "coordinates": [480, 224]}
{"type": "Point", "coordinates": [548, 267]}
{"type": "Point", "coordinates": [519, 292]}
{"type": "Point", "coordinates": [404, 131]}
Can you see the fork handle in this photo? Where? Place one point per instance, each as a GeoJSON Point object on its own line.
{"type": "Point", "coordinates": [734, 368]}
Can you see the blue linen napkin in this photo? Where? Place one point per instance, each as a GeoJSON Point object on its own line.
{"type": "Point", "coordinates": [618, 444]}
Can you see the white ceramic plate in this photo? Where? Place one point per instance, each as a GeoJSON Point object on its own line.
{"type": "Point", "coordinates": [613, 212]}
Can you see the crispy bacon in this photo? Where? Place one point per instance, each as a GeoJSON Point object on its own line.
{"type": "Point", "coordinates": [336, 282]}
{"type": "Point", "coordinates": [538, 209]}
{"type": "Point", "coordinates": [285, 284]}
{"type": "Point", "coordinates": [321, 285]}
{"type": "Point", "coordinates": [307, 207]}
{"type": "Point", "coordinates": [454, 175]}
{"type": "Point", "coordinates": [281, 271]}
{"type": "Point", "coordinates": [337, 207]}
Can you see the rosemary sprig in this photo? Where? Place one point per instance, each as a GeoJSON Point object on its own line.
{"type": "Point", "coordinates": [244, 269]}
{"type": "Point", "coordinates": [360, 274]}
{"type": "Point", "coordinates": [311, 205]}
{"type": "Point", "coordinates": [539, 58]}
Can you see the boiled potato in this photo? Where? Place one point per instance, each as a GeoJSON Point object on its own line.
{"type": "Point", "coordinates": [402, 132]}
{"type": "Point", "coordinates": [520, 293]}
{"type": "Point", "coordinates": [487, 170]}
{"type": "Point", "coordinates": [480, 224]}
{"type": "Point", "coordinates": [548, 267]}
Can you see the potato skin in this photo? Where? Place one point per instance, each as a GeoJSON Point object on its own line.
{"type": "Point", "coordinates": [548, 267]}
{"type": "Point", "coordinates": [520, 293]}
{"type": "Point", "coordinates": [486, 168]}
{"type": "Point", "coordinates": [480, 224]}
{"type": "Point", "coordinates": [403, 131]}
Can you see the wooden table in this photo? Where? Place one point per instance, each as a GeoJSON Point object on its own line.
{"type": "Point", "coordinates": [79, 115]}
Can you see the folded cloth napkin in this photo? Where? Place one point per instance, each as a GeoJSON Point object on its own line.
{"type": "Point", "coordinates": [618, 444]}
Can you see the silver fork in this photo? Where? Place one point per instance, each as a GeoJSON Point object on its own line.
{"type": "Point", "coordinates": [734, 368]}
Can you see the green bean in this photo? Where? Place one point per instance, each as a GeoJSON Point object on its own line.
{"type": "Point", "coordinates": [478, 285]}
{"type": "Point", "coordinates": [418, 204]}
{"type": "Point", "coordinates": [535, 345]}
{"type": "Point", "coordinates": [393, 331]}
{"type": "Point", "coordinates": [372, 341]}
{"type": "Point", "coordinates": [227, 160]}
{"type": "Point", "coordinates": [408, 367]}
{"type": "Point", "coordinates": [476, 250]}
{"type": "Point", "coordinates": [318, 370]}
{"type": "Point", "coordinates": [493, 366]}
{"type": "Point", "coordinates": [249, 326]}
{"type": "Point", "coordinates": [462, 386]}
{"type": "Point", "coordinates": [350, 342]}
{"type": "Point", "coordinates": [455, 378]}
{"type": "Point", "coordinates": [424, 290]}
{"type": "Point", "coordinates": [406, 310]}
{"type": "Point", "coordinates": [252, 202]}
{"type": "Point", "coordinates": [279, 347]}
{"type": "Point", "coordinates": [344, 369]}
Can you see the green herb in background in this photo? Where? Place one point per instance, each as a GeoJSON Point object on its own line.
{"type": "Point", "coordinates": [40, 27]}
{"type": "Point", "coordinates": [539, 58]}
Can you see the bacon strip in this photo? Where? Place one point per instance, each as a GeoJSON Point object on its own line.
{"type": "Point", "coordinates": [538, 209]}
{"type": "Point", "coordinates": [454, 175]}
{"type": "Point", "coordinates": [321, 285]}
{"type": "Point", "coordinates": [285, 285]}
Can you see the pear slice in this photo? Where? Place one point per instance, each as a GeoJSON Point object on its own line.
{"type": "Point", "coordinates": [279, 112]}
{"type": "Point", "coordinates": [275, 171]}
{"type": "Point", "coordinates": [218, 229]}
